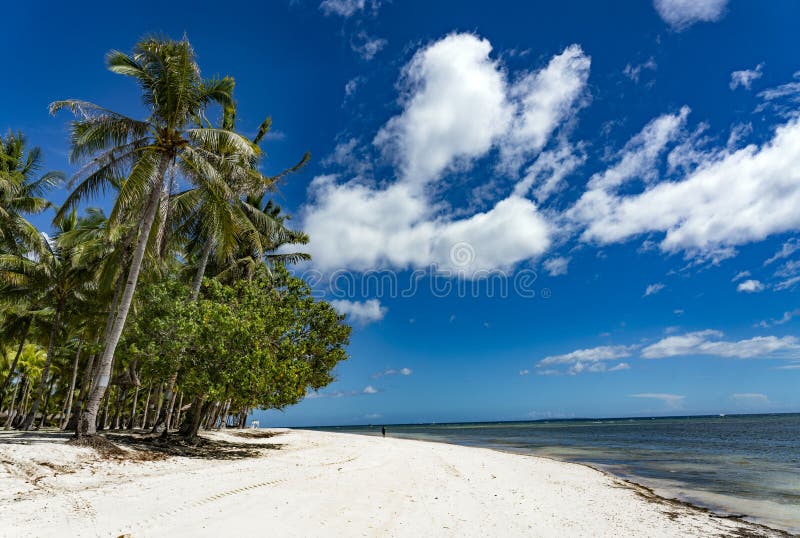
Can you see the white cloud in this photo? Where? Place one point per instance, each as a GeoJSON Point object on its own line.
{"type": "Point", "coordinates": [342, 8]}
{"type": "Point", "coordinates": [549, 171]}
{"type": "Point", "coordinates": [524, 372]}
{"type": "Point", "coordinates": [443, 85]}
{"type": "Point", "coordinates": [673, 401]}
{"type": "Point", "coordinates": [708, 342]}
{"type": "Point", "coordinates": [634, 72]}
{"type": "Point", "coordinates": [313, 395]}
{"type": "Point", "coordinates": [740, 275]}
{"type": "Point", "coordinates": [544, 99]}
{"type": "Point", "coordinates": [652, 289]}
{"type": "Point", "coordinates": [361, 313]}
{"type": "Point", "coordinates": [358, 225]}
{"type": "Point", "coordinates": [351, 86]}
{"type": "Point", "coordinates": [785, 93]}
{"type": "Point", "coordinates": [750, 286]}
{"type": "Point", "coordinates": [787, 249]}
{"type": "Point", "coordinates": [342, 154]}
{"type": "Point", "coordinates": [680, 14]}
{"type": "Point", "coordinates": [732, 198]}
{"type": "Point", "coordinates": [785, 318]}
{"type": "Point", "coordinates": [787, 284]}
{"type": "Point", "coordinates": [586, 360]}
{"type": "Point", "coordinates": [393, 371]}
{"type": "Point", "coordinates": [745, 77]}
{"type": "Point", "coordinates": [638, 159]}
{"type": "Point", "coordinates": [751, 397]}
{"type": "Point", "coordinates": [367, 46]}
{"type": "Point", "coordinates": [556, 266]}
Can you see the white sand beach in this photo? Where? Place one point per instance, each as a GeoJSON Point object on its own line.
{"type": "Point", "coordinates": [310, 483]}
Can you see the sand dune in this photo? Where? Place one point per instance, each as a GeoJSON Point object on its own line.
{"type": "Point", "coordinates": [309, 483]}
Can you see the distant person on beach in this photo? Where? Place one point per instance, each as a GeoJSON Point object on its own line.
{"type": "Point", "coordinates": [383, 431]}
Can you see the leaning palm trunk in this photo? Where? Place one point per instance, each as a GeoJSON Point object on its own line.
{"type": "Point", "coordinates": [88, 422]}
{"type": "Point", "coordinates": [29, 418]}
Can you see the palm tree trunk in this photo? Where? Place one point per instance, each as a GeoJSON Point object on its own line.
{"type": "Point", "coordinates": [201, 269]}
{"type": "Point", "coordinates": [11, 407]}
{"type": "Point", "coordinates": [47, 400]}
{"type": "Point", "coordinates": [70, 394]}
{"type": "Point", "coordinates": [147, 405]}
{"type": "Point", "coordinates": [10, 375]}
{"type": "Point", "coordinates": [87, 425]}
{"type": "Point", "coordinates": [178, 411]}
{"type": "Point", "coordinates": [166, 412]}
{"type": "Point", "coordinates": [28, 422]}
{"type": "Point", "coordinates": [132, 420]}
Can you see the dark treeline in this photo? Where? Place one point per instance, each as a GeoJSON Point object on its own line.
{"type": "Point", "coordinates": [175, 310]}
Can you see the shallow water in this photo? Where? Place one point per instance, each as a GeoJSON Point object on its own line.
{"type": "Point", "coordinates": [735, 464]}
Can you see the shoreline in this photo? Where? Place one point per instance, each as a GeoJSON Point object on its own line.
{"type": "Point", "coordinates": [712, 511]}
{"type": "Point", "coordinates": [304, 482]}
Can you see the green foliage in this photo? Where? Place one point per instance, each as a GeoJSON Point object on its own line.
{"type": "Point", "coordinates": [260, 343]}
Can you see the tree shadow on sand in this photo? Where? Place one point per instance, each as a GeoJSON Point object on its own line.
{"type": "Point", "coordinates": [213, 449]}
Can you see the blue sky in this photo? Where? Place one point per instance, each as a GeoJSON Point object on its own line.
{"type": "Point", "coordinates": [630, 172]}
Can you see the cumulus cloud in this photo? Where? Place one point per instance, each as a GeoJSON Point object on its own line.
{"type": "Point", "coordinates": [443, 85]}
{"type": "Point", "coordinates": [750, 286]}
{"type": "Point", "coordinates": [369, 389]}
{"type": "Point", "coordinates": [731, 198]}
{"type": "Point", "coordinates": [524, 372]}
{"type": "Point", "coordinates": [681, 14]}
{"type": "Point", "coordinates": [360, 225]}
{"type": "Point", "coordinates": [652, 289]}
{"type": "Point", "coordinates": [673, 401]}
{"type": "Point", "coordinates": [361, 313]}
{"type": "Point", "coordinates": [586, 360]}
{"type": "Point", "coordinates": [556, 266]}
{"type": "Point", "coordinates": [745, 77]}
{"type": "Point", "coordinates": [709, 342]}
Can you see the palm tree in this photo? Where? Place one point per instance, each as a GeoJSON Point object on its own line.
{"type": "Point", "coordinates": [49, 278]}
{"type": "Point", "coordinates": [213, 219]}
{"type": "Point", "coordinates": [272, 236]}
{"type": "Point", "coordinates": [31, 360]}
{"type": "Point", "coordinates": [21, 193]}
{"type": "Point", "coordinates": [143, 151]}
